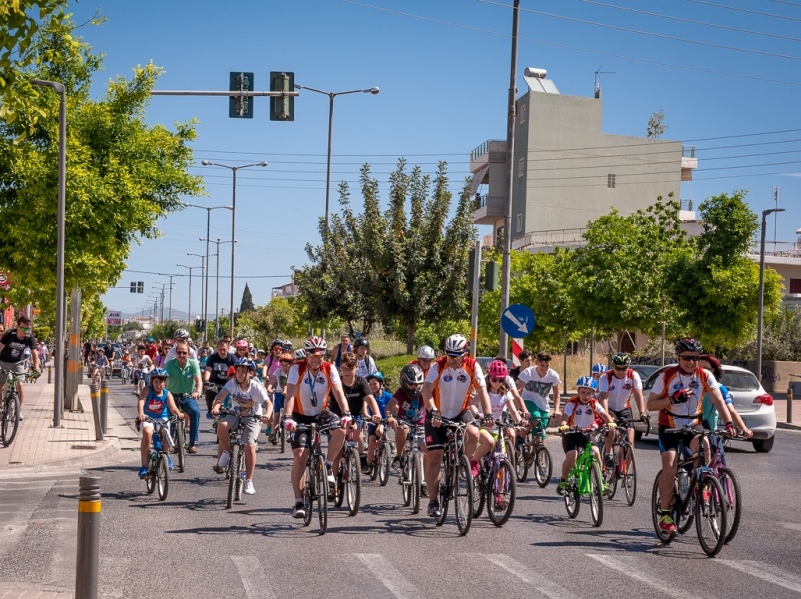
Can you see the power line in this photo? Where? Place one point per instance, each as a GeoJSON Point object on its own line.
{"type": "Point", "coordinates": [145, 272]}
{"type": "Point", "coordinates": [747, 10]}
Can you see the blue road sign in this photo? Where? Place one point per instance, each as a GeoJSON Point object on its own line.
{"type": "Point", "coordinates": [518, 321]}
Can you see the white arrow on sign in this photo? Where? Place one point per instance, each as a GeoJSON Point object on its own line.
{"type": "Point", "coordinates": [521, 326]}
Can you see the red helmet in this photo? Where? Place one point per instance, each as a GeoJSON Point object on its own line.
{"type": "Point", "coordinates": [498, 369]}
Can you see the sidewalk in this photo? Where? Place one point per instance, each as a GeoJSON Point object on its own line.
{"type": "Point", "coordinates": [780, 403]}
{"type": "Point", "coordinates": [38, 445]}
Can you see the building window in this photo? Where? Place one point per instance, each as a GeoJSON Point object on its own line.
{"type": "Point", "coordinates": [519, 222]}
{"type": "Point", "coordinates": [795, 286]}
{"type": "Point", "coordinates": [610, 181]}
{"type": "Point", "coordinates": [522, 113]}
{"type": "Point", "coordinates": [521, 167]}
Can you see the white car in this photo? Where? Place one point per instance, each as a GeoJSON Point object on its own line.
{"type": "Point", "coordinates": [751, 401]}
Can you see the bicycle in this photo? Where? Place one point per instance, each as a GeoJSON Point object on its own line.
{"type": "Point", "coordinates": [158, 463]}
{"type": "Point", "coordinates": [348, 477]}
{"type": "Point", "coordinates": [531, 451]}
{"type": "Point", "coordinates": [178, 431]}
{"type": "Point", "coordinates": [457, 480]}
{"type": "Point", "coordinates": [496, 483]}
{"type": "Point", "coordinates": [410, 475]}
{"type": "Point", "coordinates": [624, 467]}
{"type": "Point", "coordinates": [315, 487]}
{"type": "Point", "coordinates": [728, 481]}
{"type": "Point", "coordinates": [584, 480]}
{"type": "Point", "coordinates": [141, 380]}
{"type": "Point", "coordinates": [697, 495]}
{"type": "Point", "coordinates": [235, 473]}
{"type": "Point", "coordinates": [10, 408]}
{"type": "Point", "coordinates": [382, 460]}
{"type": "Point", "coordinates": [125, 374]}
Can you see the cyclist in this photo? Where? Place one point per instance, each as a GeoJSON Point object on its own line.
{"type": "Point", "coordinates": [500, 394]}
{"type": "Point", "coordinates": [259, 363]}
{"type": "Point", "coordinates": [598, 370]}
{"type": "Point", "coordinates": [186, 384]}
{"type": "Point", "coordinates": [407, 405]}
{"type": "Point", "coordinates": [13, 344]}
{"type": "Point", "coordinates": [425, 358]}
{"type": "Point", "coordinates": [273, 361]}
{"type": "Point", "coordinates": [126, 363]}
{"type": "Point", "coordinates": [299, 355]}
{"type": "Point", "coordinates": [581, 411]}
{"type": "Point", "coordinates": [710, 414]}
{"type": "Point", "coordinates": [241, 349]}
{"type": "Point", "coordinates": [615, 389]}
{"type": "Point", "coordinates": [340, 349]}
{"type": "Point", "coordinates": [142, 364]}
{"type": "Point", "coordinates": [382, 399]}
{"type": "Point", "coordinates": [525, 358]}
{"type": "Point", "coordinates": [202, 357]}
{"type": "Point", "coordinates": [447, 393]}
{"type": "Point", "coordinates": [249, 399]}
{"type": "Point", "coordinates": [677, 394]}
{"type": "Point", "coordinates": [277, 389]}
{"type": "Point", "coordinates": [216, 372]}
{"type": "Point", "coordinates": [156, 403]}
{"type": "Point", "coordinates": [364, 361]}
{"type": "Point", "coordinates": [535, 383]}
{"type": "Point", "coordinates": [102, 364]}
{"type": "Point", "coordinates": [181, 336]}
{"type": "Point", "coordinates": [309, 385]}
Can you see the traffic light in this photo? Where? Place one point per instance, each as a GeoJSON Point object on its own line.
{"type": "Point", "coordinates": [282, 108]}
{"type": "Point", "coordinates": [240, 107]}
{"type": "Point", "coordinates": [491, 276]}
{"type": "Point", "coordinates": [140, 288]}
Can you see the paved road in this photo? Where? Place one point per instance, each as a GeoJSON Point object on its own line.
{"type": "Point", "coordinates": [256, 550]}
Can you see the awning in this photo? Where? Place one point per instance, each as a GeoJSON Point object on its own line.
{"type": "Point", "coordinates": [479, 177]}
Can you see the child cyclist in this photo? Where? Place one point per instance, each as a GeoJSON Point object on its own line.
{"type": "Point", "coordinates": [581, 412]}
{"type": "Point", "coordinates": [382, 398]}
{"type": "Point", "coordinates": [156, 403]}
{"type": "Point", "coordinates": [277, 389]}
{"type": "Point", "coordinates": [501, 397]}
{"type": "Point", "coordinates": [407, 406]}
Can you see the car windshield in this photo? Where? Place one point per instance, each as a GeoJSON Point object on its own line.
{"type": "Point", "coordinates": [739, 381]}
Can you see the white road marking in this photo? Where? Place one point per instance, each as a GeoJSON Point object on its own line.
{"type": "Point", "coordinates": [631, 572]}
{"type": "Point", "coordinates": [253, 577]}
{"type": "Point", "coordinates": [537, 581]}
{"type": "Point", "coordinates": [766, 572]}
{"type": "Point", "coordinates": [792, 526]}
{"type": "Point", "coordinates": [389, 576]}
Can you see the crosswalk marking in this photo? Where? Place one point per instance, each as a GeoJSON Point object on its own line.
{"type": "Point", "coordinates": [389, 576]}
{"type": "Point", "coordinates": [631, 572]}
{"type": "Point", "coordinates": [540, 583]}
{"type": "Point", "coordinates": [767, 572]}
{"type": "Point", "coordinates": [792, 526]}
{"type": "Point", "coordinates": [253, 577]}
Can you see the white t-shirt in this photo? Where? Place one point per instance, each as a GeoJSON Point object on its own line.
{"type": "Point", "coordinates": [584, 413]}
{"type": "Point", "coordinates": [536, 388]}
{"type": "Point", "coordinates": [247, 402]}
{"type": "Point", "coordinates": [620, 390]}
{"type": "Point", "coordinates": [171, 355]}
{"type": "Point", "coordinates": [142, 363]}
{"type": "Point", "coordinates": [365, 367]}
{"type": "Point", "coordinates": [498, 402]}
{"type": "Point", "coordinates": [312, 393]}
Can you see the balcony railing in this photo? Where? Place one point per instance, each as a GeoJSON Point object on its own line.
{"type": "Point", "coordinates": [777, 249]}
{"type": "Point", "coordinates": [556, 237]}
{"type": "Point", "coordinates": [491, 145]}
{"type": "Point", "coordinates": [480, 201]}
{"type": "Point", "coordinates": [686, 205]}
{"type": "Point", "coordinates": [688, 151]}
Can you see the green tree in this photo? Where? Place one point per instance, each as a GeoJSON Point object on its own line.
{"type": "Point", "coordinates": [123, 175]}
{"type": "Point", "coordinates": [132, 325]}
{"type": "Point", "coordinates": [274, 320]}
{"type": "Point", "coordinates": [656, 125]}
{"type": "Point", "coordinates": [247, 301]}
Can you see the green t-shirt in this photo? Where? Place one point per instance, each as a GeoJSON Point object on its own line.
{"type": "Point", "coordinates": [182, 380]}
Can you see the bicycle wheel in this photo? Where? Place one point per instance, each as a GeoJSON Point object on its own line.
{"type": "Point", "coordinates": [180, 441]}
{"type": "Point", "coordinates": [543, 467]}
{"type": "Point", "coordinates": [733, 501]}
{"type": "Point", "coordinates": [321, 482]}
{"type": "Point", "coordinates": [152, 466]}
{"type": "Point", "coordinates": [502, 492]}
{"type": "Point", "coordinates": [384, 463]}
{"type": "Point", "coordinates": [10, 418]}
{"type": "Point", "coordinates": [572, 501]}
{"type": "Point", "coordinates": [233, 475]}
{"type": "Point", "coordinates": [479, 491]}
{"type": "Point", "coordinates": [353, 481]}
{"type": "Point", "coordinates": [596, 495]}
{"type": "Point", "coordinates": [240, 479]}
{"type": "Point", "coordinates": [627, 471]}
{"type": "Point", "coordinates": [406, 475]}
{"type": "Point", "coordinates": [444, 490]}
{"type": "Point", "coordinates": [309, 493]}
{"type": "Point", "coordinates": [163, 477]}
{"type": "Point", "coordinates": [339, 496]}
{"type": "Point", "coordinates": [710, 516]}
{"type": "Point", "coordinates": [521, 462]}
{"type": "Point", "coordinates": [416, 482]}
{"type": "Point", "coordinates": [656, 513]}
{"type": "Point", "coordinates": [463, 495]}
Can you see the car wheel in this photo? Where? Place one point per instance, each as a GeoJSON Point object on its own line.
{"type": "Point", "coordinates": [763, 445]}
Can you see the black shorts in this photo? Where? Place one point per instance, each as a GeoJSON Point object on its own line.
{"type": "Point", "coordinates": [670, 441]}
{"type": "Point", "coordinates": [625, 413]}
{"type": "Point", "coordinates": [437, 437]}
{"type": "Point", "coordinates": [575, 440]}
{"type": "Point", "coordinates": [300, 439]}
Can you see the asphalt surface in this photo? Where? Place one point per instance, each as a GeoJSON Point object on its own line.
{"type": "Point", "coordinates": [191, 546]}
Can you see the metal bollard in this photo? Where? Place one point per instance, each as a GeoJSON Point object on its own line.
{"type": "Point", "coordinates": [49, 375]}
{"type": "Point", "coordinates": [790, 403]}
{"type": "Point", "coordinates": [104, 407]}
{"type": "Point", "coordinates": [88, 551]}
{"type": "Point", "coordinates": [95, 393]}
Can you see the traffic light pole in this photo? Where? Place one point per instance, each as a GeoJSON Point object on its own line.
{"type": "Point", "coordinates": [476, 284]}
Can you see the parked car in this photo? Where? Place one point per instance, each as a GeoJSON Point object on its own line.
{"type": "Point", "coordinates": [751, 401]}
{"type": "Point", "coordinates": [644, 370]}
{"type": "Point", "coordinates": [484, 362]}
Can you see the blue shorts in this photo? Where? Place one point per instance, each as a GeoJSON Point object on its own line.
{"type": "Point", "coordinates": [278, 402]}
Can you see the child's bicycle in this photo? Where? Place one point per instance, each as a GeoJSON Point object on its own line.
{"type": "Point", "coordinates": [235, 473]}
{"type": "Point", "coordinates": [158, 461]}
{"type": "Point", "coordinates": [125, 373]}
{"type": "Point", "coordinates": [728, 480]}
{"type": "Point", "coordinates": [382, 460]}
{"type": "Point", "coordinates": [531, 451]}
{"type": "Point", "coordinates": [348, 476]}
{"type": "Point", "coordinates": [585, 480]}
{"type": "Point", "coordinates": [496, 483]}
{"type": "Point", "coordinates": [623, 468]}
{"type": "Point", "coordinates": [410, 473]}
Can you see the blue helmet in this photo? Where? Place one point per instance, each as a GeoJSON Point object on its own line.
{"type": "Point", "coordinates": [376, 375]}
{"type": "Point", "coordinates": [245, 362]}
{"type": "Point", "coordinates": [588, 382]}
{"type": "Point", "coordinates": [159, 373]}
{"type": "Point", "coordinates": [599, 368]}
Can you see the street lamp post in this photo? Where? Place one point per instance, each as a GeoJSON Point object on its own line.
{"type": "Point", "coordinates": [208, 210]}
{"type": "Point", "coordinates": [331, 96]}
{"type": "Point", "coordinates": [202, 278]}
{"type": "Point", "coordinates": [58, 399]}
{"type": "Point", "coordinates": [189, 312]}
{"type": "Point", "coordinates": [765, 214]}
{"type": "Point", "coordinates": [233, 170]}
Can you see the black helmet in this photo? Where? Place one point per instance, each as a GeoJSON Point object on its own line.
{"type": "Point", "coordinates": [361, 342]}
{"type": "Point", "coordinates": [621, 359]}
{"type": "Point", "coordinates": [412, 374]}
{"type": "Point", "coordinates": [688, 344]}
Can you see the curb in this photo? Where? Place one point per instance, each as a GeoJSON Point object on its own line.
{"type": "Point", "coordinates": [112, 447]}
{"type": "Point", "coordinates": [788, 426]}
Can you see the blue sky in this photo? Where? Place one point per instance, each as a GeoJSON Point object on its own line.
{"type": "Point", "coordinates": [725, 72]}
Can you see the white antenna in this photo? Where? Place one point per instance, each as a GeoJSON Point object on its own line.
{"type": "Point", "coordinates": [598, 74]}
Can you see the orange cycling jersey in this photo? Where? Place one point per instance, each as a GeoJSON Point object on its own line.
{"type": "Point", "coordinates": [452, 387]}
{"type": "Point", "coordinates": [697, 383]}
{"type": "Point", "coordinates": [312, 393]}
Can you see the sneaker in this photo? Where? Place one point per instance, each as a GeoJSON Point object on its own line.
{"type": "Point", "coordinates": [666, 523]}
{"type": "Point", "coordinates": [224, 459]}
{"type": "Point", "coordinates": [143, 472]}
{"type": "Point", "coordinates": [610, 461]}
{"type": "Point", "coordinates": [218, 469]}
{"type": "Point", "coordinates": [209, 415]}
{"type": "Point", "coordinates": [366, 468]}
{"type": "Point", "coordinates": [21, 417]}
{"type": "Point", "coordinates": [396, 463]}
{"type": "Point", "coordinates": [433, 510]}
{"type": "Point", "coordinates": [561, 488]}
{"type": "Point", "coordinates": [191, 449]}
{"type": "Point", "coordinates": [249, 488]}
{"type": "Point", "coordinates": [330, 476]}
{"type": "Point", "coordinates": [474, 468]}
{"type": "Point", "coordinates": [169, 462]}
{"type": "Point", "coordinates": [273, 440]}
{"type": "Point", "coordinates": [500, 502]}
{"type": "Point", "coordinates": [298, 511]}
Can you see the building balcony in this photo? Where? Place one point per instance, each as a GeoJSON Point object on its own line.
{"type": "Point", "coordinates": [688, 162]}
{"type": "Point", "coordinates": [492, 150]}
{"type": "Point", "coordinates": [546, 240]}
{"type": "Point", "coordinates": [780, 252]}
{"type": "Point", "coordinates": [487, 210]}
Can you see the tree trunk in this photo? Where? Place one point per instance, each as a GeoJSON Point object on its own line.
{"type": "Point", "coordinates": [410, 337]}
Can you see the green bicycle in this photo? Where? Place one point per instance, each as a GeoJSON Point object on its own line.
{"type": "Point", "coordinates": [585, 480]}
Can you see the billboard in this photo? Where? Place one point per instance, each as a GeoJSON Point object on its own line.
{"type": "Point", "coordinates": [113, 318]}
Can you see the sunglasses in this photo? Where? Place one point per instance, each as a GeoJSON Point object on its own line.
{"type": "Point", "coordinates": [496, 380]}
{"type": "Point", "coordinates": [453, 355]}
{"type": "Point", "coordinates": [620, 368]}
{"type": "Point", "coordinates": [690, 358]}
{"type": "Point", "coordinates": [25, 329]}
{"type": "Point", "coordinates": [182, 353]}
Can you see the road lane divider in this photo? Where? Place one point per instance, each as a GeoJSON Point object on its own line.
{"type": "Point", "coordinates": [389, 576]}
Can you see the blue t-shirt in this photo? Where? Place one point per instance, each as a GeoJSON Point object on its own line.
{"type": "Point", "coordinates": [156, 406]}
{"type": "Point", "coordinates": [382, 401]}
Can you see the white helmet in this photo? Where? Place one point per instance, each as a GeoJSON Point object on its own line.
{"type": "Point", "coordinates": [426, 352]}
{"type": "Point", "coordinates": [315, 343]}
{"type": "Point", "coordinates": [456, 344]}
{"type": "Point", "coordinates": [300, 354]}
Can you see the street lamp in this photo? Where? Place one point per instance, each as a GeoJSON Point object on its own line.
{"type": "Point", "coordinates": [217, 275]}
{"type": "Point", "coordinates": [58, 399]}
{"type": "Point", "coordinates": [202, 277]}
{"type": "Point", "coordinates": [233, 170]}
{"type": "Point", "coordinates": [765, 214]}
{"type": "Point", "coordinates": [331, 96]}
{"type": "Point", "coordinates": [191, 268]}
{"type": "Point", "coordinates": [208, 210]}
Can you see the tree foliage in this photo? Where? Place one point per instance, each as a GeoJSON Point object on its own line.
{"type": "Point", "coordinates": [247, 301]}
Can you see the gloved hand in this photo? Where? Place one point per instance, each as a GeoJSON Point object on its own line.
{"type": "Point", "coordinates": [730, 429]}
{"type": "Point", "coordinates": [346, 419]}
{"type": "Point", "coordinates": [436, 418]}
{"type": "Point", "coordinates": [488, 421]}
{"type": "Point", "coordinates": [612, 425]}
{"type": "Point", "coordinates": [290, 424]}
{"type": "Point", "coordinates": [564, 428]}
{"type": "Point", "coordinates": [680, 396]}
{"type": "Point", "coordinates": [645, 417]}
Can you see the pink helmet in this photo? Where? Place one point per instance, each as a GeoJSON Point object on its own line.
{"type": "Point", "coordinates": [241, 343]}
{"type": "Point", "coordinates": [498, 369]}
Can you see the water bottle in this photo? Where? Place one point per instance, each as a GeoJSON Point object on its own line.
{"type": "Point", "coordinates": [684, 484]}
